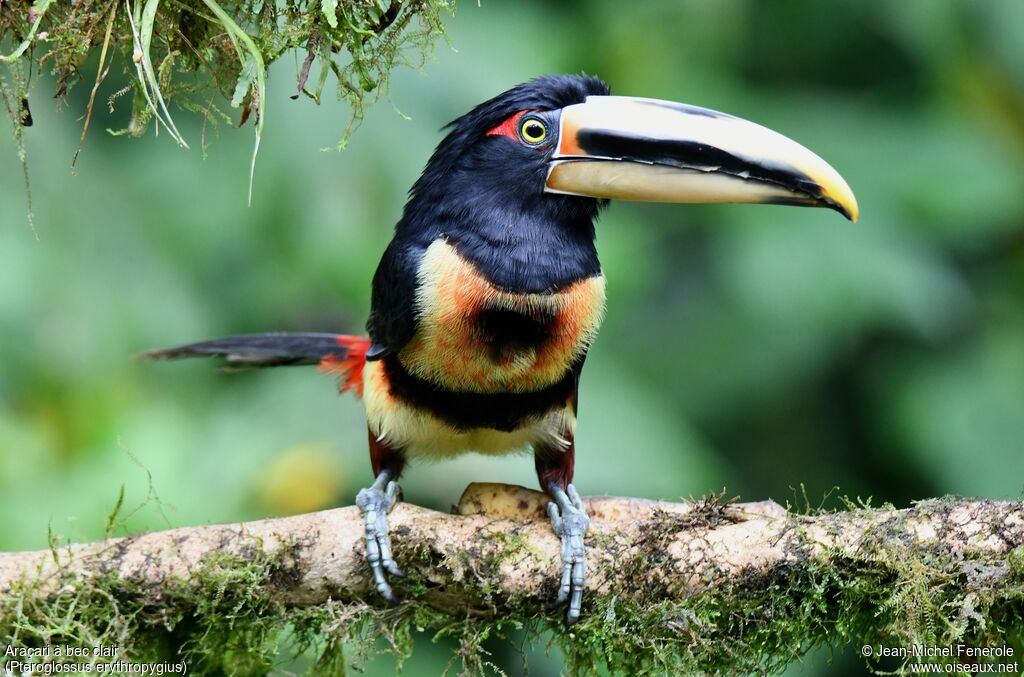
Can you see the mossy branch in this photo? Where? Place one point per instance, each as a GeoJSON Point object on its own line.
{"type": "Point", "coordinates": [705, 586]}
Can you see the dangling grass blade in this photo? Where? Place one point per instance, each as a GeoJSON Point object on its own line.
{"type": "Point", "coordinates": [101, 75]}
{"type": "Point", "coordinates": [146, 40]}
{"type": "Point", "coordinates": [144, 79]}
{"type": "Point", "coordinates": [237, 35]}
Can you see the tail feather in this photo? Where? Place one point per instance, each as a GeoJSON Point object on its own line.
{"type": "Point", "coordinates": [348, 367]}
{"type": "Point", "coordinates": [265, 350]}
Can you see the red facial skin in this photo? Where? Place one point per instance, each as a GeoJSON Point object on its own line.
{"type": "Point", "coordinates": [509, 127]}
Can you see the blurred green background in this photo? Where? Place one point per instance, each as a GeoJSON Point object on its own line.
{"type": "Point", "coordinates": [757, 348]}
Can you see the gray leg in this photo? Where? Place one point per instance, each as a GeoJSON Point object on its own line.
{"type": "Point", "coordinates": [569, 520]}
{"type": "Point", "coordinates": [375, 502]}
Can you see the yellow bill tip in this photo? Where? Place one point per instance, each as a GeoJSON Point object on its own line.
{"type": "Point", "coordinates": [838, 194]}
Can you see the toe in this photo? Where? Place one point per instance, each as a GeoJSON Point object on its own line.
{"type": "Point", "coordinates": [565, 586]}
{"type": "Point", "coordinates": [574, 496]}
{"type": "Point", "coordinates": [392, 494]}
{"type": "Point", "coordinates": [570, 521]}
{"type": "Point", "coordinates": [375, 504]}
{"type": "Point", "coordinates": [556, 518]}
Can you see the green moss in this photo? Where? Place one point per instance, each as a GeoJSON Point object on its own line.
{"type": "Point", "coordinates": [761, 623]}
{"type": "Point", "coordinates": [15, 100]}
{"type": "Point", "coordinates": [223, 616]}
{"type": "Point", "coordinates": [199, 56]}
{"type": "Point", "coordinates": [1016, 562]}
{"type": "Point", "coordinates": [229, 618]}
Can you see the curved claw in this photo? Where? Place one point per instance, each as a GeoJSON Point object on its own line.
{"type": "Point", "coordinates": [570, 521]}
{"type": "Point", "coordinates": [375, 504]}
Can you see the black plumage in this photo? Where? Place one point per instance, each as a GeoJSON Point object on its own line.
{"type": "Point", "coordinates": [485, 196]}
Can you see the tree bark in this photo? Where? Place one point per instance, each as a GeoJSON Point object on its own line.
{"type": "Point", "coordinates": [639, 550]}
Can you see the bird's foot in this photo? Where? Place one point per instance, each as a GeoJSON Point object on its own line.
{"type": "Point", "coordinates": [570, 521]}
{"type": "Point", "coordinates": [375, 502]}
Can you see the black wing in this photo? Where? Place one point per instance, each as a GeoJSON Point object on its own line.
{"type": "Point", "coordinates": [393, 319]}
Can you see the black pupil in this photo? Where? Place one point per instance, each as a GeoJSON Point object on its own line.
{"type": "Point", "coordinates": [534, 130]}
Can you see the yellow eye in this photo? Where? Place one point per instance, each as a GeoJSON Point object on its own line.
{"type": "Point", "coordinates": [533, 131]}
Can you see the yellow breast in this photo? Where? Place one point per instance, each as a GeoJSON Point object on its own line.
{"type": "Point", "coordinates": [453, 347]}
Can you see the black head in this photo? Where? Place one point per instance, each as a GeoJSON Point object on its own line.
{"type": "Point", "coordinates": [484, 188]}
{"type": "Point", "coordinates": [486, 150]}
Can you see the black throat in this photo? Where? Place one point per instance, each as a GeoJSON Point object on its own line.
{"type": "Point", "coordinates": [521, 253]}
{"type": "Point", "coordinates": [499, 219]}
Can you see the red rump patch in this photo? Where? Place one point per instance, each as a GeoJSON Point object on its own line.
{"type": "Point", "coordinates": [509, 127]}
{"type": "Point", "coordinates": [348, 367]}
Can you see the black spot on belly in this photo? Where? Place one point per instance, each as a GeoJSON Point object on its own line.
{"type": "Point", "coordinates": [507, 332]}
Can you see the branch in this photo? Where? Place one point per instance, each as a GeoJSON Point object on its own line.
{"type": "Point", "coordinates": [695, 579]}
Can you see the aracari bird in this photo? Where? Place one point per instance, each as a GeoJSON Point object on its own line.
{"type": "Point", "coordinates": [486, 301]}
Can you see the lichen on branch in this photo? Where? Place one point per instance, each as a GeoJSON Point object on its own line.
{"type": "Point", "coordinates": [675, 588]}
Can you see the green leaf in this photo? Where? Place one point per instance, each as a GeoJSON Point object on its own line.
{"type": "Point", "coordinates": [245, 78]}
{"type": "Point", "coordinates": [253, 54]}
{"type": "Point", "coordinates": [330, 10]}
